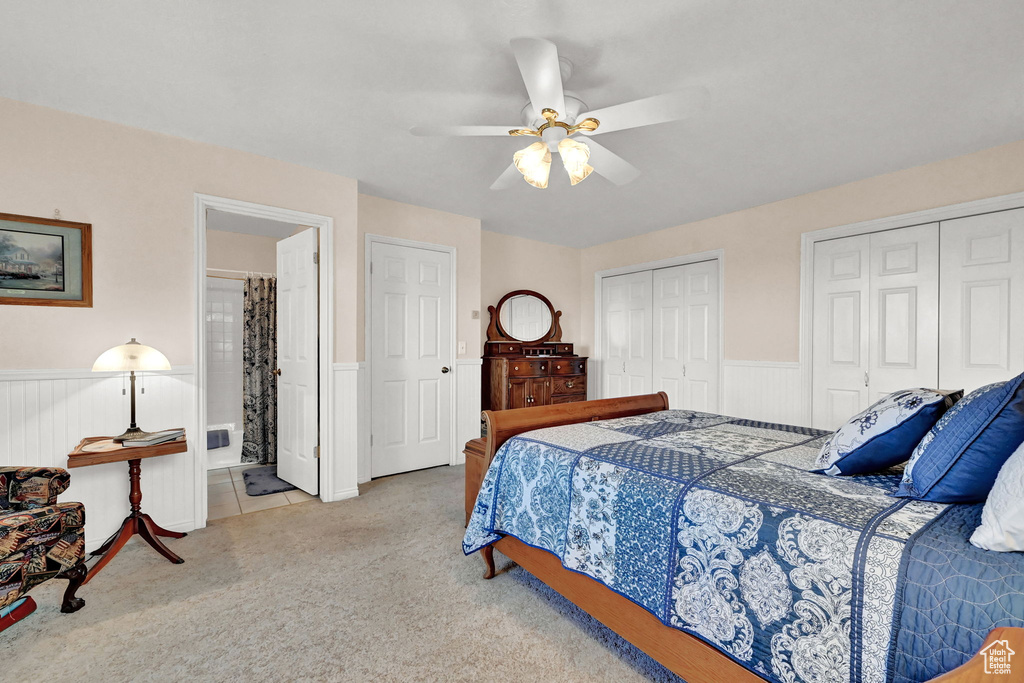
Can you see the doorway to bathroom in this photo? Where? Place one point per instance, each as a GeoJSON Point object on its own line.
{"type": "Point", "coordinates": [262, 373]}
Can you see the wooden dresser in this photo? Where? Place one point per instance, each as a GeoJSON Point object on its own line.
{"type": "Point", "coordinates": [537, 375]}
{"type": "Point", "coordinates": [526, 364]}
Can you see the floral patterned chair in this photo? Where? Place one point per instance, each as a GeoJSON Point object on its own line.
{"type": "Point", "coordinates": [39, 539]}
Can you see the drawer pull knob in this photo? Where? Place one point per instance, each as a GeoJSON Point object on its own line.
{"type": "Point", "coordinates": [515, 367]}
{"type": "Point", "coordinates": [558, 367]}
{"type": "Point", "coordinates": [569, 384]}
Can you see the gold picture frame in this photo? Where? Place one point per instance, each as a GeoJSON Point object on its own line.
{"type": "Point", "coordinates": [45, 262]}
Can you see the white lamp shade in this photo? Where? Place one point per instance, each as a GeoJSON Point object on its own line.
{"type": "Point", "coordinates": [575, 155]}
{"type": "Point", "coordinates": [534, 162]}
{"type": "Point", "coordinates": [131, 356]}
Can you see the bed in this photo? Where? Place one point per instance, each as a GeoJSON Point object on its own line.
{"type": "Point", "coordinates": [707, 542]}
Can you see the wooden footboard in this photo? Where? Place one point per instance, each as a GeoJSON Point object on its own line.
{"type": "Point", "coordinates": [689, 657]}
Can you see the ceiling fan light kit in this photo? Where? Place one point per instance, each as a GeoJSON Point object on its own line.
{"type": "Point", "coordinates": [543, 73]}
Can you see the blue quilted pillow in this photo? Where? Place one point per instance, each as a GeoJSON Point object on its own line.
{"type": "Point", "coordinates": [958, 459]}
{"type": "Point", "coordinates": [886, 433]}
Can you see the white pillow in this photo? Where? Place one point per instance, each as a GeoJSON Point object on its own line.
{"type": "Point", "coordinates": [1002, 519]}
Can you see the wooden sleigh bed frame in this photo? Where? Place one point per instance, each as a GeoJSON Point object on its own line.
{"type": "Point", "coordinates": [688, 656]}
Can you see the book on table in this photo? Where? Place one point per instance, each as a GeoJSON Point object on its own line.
{"type": "Point", "coordinates": [154, 438]}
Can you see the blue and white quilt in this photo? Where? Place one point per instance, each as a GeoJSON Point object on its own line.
{"type": "Point", "coordinates": [718, 527]}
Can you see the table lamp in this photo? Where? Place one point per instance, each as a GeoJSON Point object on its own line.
{"type": "Point", "coordinates": [129, 358]}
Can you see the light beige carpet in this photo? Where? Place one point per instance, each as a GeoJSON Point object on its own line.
{"type": "Point", "coordinates": [371, 588]}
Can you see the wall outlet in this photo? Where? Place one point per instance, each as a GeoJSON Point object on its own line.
{"type": "Point", "coordinates": [476, 315]}
{"type": "Point", "coordinates": [462, 347]}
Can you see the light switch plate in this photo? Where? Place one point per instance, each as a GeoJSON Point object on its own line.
{"type": "Point", "coordinates": [462, 347]}
{"type": "Point", "coordinates": [476, 315]}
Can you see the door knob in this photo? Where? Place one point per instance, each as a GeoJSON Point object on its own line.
{"type": "Point", "coordinates": [277, 372]}
{"type": "Point", "coordinates": [445, 369]}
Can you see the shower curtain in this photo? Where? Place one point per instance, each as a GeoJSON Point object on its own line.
{"type": "Point", "coordinates": [259, 360]}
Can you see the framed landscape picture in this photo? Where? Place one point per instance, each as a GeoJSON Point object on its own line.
{"type": "Point", "coordinates": [45, 262]}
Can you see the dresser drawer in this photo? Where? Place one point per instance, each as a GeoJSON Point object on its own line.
{"type": "Point", "coordinates": [569, 366]}
{"type": "Point", "coordinates": [563, 349]}
{"type": "Point", "coordinates": [528, 368]}
{"type": "Point", "coordinates": [569, 385]}
{"type": "Point", "coordinates": [506, 348]}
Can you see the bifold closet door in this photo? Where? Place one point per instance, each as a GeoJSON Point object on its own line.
{"type": "Point", "coordinates": [875, 329]}
{"type": "Point", "coordinates": [982, 314]}
{"type": "Point", "coordinates": [685, 335]}
{"type": "Point", "coordinates": [626, 318]}
{"type": "Point", "coordinates": [840, 334]}
{"type": "Point", "coordinates": [904, 310]}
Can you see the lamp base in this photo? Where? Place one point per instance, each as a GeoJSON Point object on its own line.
{"type": "Point", "coordinates": [131, 434]}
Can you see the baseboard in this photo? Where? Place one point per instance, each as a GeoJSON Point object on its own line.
{"type": "Point", "coordinates": [346, 493]}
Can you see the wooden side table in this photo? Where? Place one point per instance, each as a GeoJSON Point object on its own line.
{"type": "Point", "coordinates": [137, 522]}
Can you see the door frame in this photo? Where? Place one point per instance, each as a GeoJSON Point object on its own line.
{"type": "Point", "coordinates": [366, 457]}
{"type": "Point", "coordinates": [904, 220]}
{"type": "Point", "coordinates": [325, 227]}
{"type": "Point", "coordinates": [686, 259]}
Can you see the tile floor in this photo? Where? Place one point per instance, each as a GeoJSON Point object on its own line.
{"type": "Point", "coordinates": [227, 494]}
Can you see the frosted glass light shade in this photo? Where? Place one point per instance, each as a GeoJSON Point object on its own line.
{"type": "Point", "coordinates": [575, 155]}
{"type": "Point", "coordinates": [534, 162]}
{"type": "Point", "coordinates": [131, 356]}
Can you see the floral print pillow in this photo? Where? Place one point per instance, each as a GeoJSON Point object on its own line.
{"type": "Point", "coordinates": [886, 433]}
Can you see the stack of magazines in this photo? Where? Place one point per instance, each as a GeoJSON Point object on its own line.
{"type": "Point", "coordinates": [153, 438]}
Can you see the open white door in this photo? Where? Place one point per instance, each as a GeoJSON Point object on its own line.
{"type": "Point", "coordinates": [411, 358]}
{"type": "Point", "coordinates": [298, 434]}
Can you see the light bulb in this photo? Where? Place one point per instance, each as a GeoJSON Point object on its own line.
{"type": "Point", "coordinates": [534, 162]}
{"type": "Point", "coordinates": [575, 156]}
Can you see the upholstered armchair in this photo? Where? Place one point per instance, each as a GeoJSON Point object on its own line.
{"type": "Point", "coordinates": [39, 538]}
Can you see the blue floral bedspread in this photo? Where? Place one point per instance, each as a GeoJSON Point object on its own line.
{"type": "Point", "coordinates": [716, 526]}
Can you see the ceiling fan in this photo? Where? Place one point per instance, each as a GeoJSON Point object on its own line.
{"type": "Point", "coordinates": [554, 115]}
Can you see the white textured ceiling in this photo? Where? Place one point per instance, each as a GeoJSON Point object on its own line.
{"type": "Point", "coordinates": [805, 94]}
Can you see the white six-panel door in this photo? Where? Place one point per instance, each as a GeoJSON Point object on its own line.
{"type": "Point", "coordinates": [685, 335]}
{"type": "Point", "coordinates": [904, 310]}
{"type": "Point", "coordinates": [411, 358]}
{"type": "Point", "coordinates": [627, 306]}
{"type": "Point", "coordinates": [297, 356]}
{"type": "Point", "coordinates": [982, 309]}
{"type": "Point", "coordinates": [841, 322]}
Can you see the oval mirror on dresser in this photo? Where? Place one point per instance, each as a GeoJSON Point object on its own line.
{"type": "Point", "coordinates": [526, 364]}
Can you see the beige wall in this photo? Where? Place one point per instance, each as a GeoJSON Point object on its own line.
{"type": "Point", "coordinates": [238, 251]}
{"type": "Point", "coordinates": [762, 244]}
{"type": "Point", "coordinates": [508, 263]}
{"type": "Point", "coordinates": [395, 219]}
{"type": "Point", "coordinates": [137, 189]}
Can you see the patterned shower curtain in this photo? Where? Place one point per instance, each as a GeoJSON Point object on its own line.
{"type": "Point", "coordinates": [259, 360]}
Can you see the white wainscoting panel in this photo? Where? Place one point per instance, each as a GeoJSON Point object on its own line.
{"type": "Point", "coordinates": [763, 390]}
{"type": "Point", "coordinates": [348, 435]}
{"type": "Point", "coordinates": [467, 404]}
{"type": "Point", "coordinates": [45, 413]}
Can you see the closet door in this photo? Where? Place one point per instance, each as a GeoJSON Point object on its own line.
{"type": "Point", "coordinates": [982, 314]}
{"type": "Point", "coordinates": [686, 327]}
{"type": "Point", "coordinates": [626, 318]}
{"type": "Point", "coordinates": [904, 310]}
{"type": "Point", "coordinates": [840, 330]}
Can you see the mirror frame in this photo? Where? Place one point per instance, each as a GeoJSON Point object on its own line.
{"type": "Point", "coordinates": [496, 332]}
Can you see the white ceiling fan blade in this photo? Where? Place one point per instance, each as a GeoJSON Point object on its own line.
{"type": "Point", "coordinates": [507, 179]}
{"type": "Point", "coordinates": [458, 131]}
{"type": "Point", "coordinates": [649, 111]}
{"type": "Point", "coordinates": [611, 165]}
{"type": "Point", "coordinates": [538, 63]}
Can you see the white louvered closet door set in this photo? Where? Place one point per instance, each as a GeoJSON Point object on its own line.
{"type": "Point", "coordinates": [939, 305]}
{"type": "Point", "coordinates": [661, 333]}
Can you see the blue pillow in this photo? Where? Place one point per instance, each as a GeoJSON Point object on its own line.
{"type": "Point", "coordinates": [958, 460]}
{"type": "Point", "coordinates": [886, 433]}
